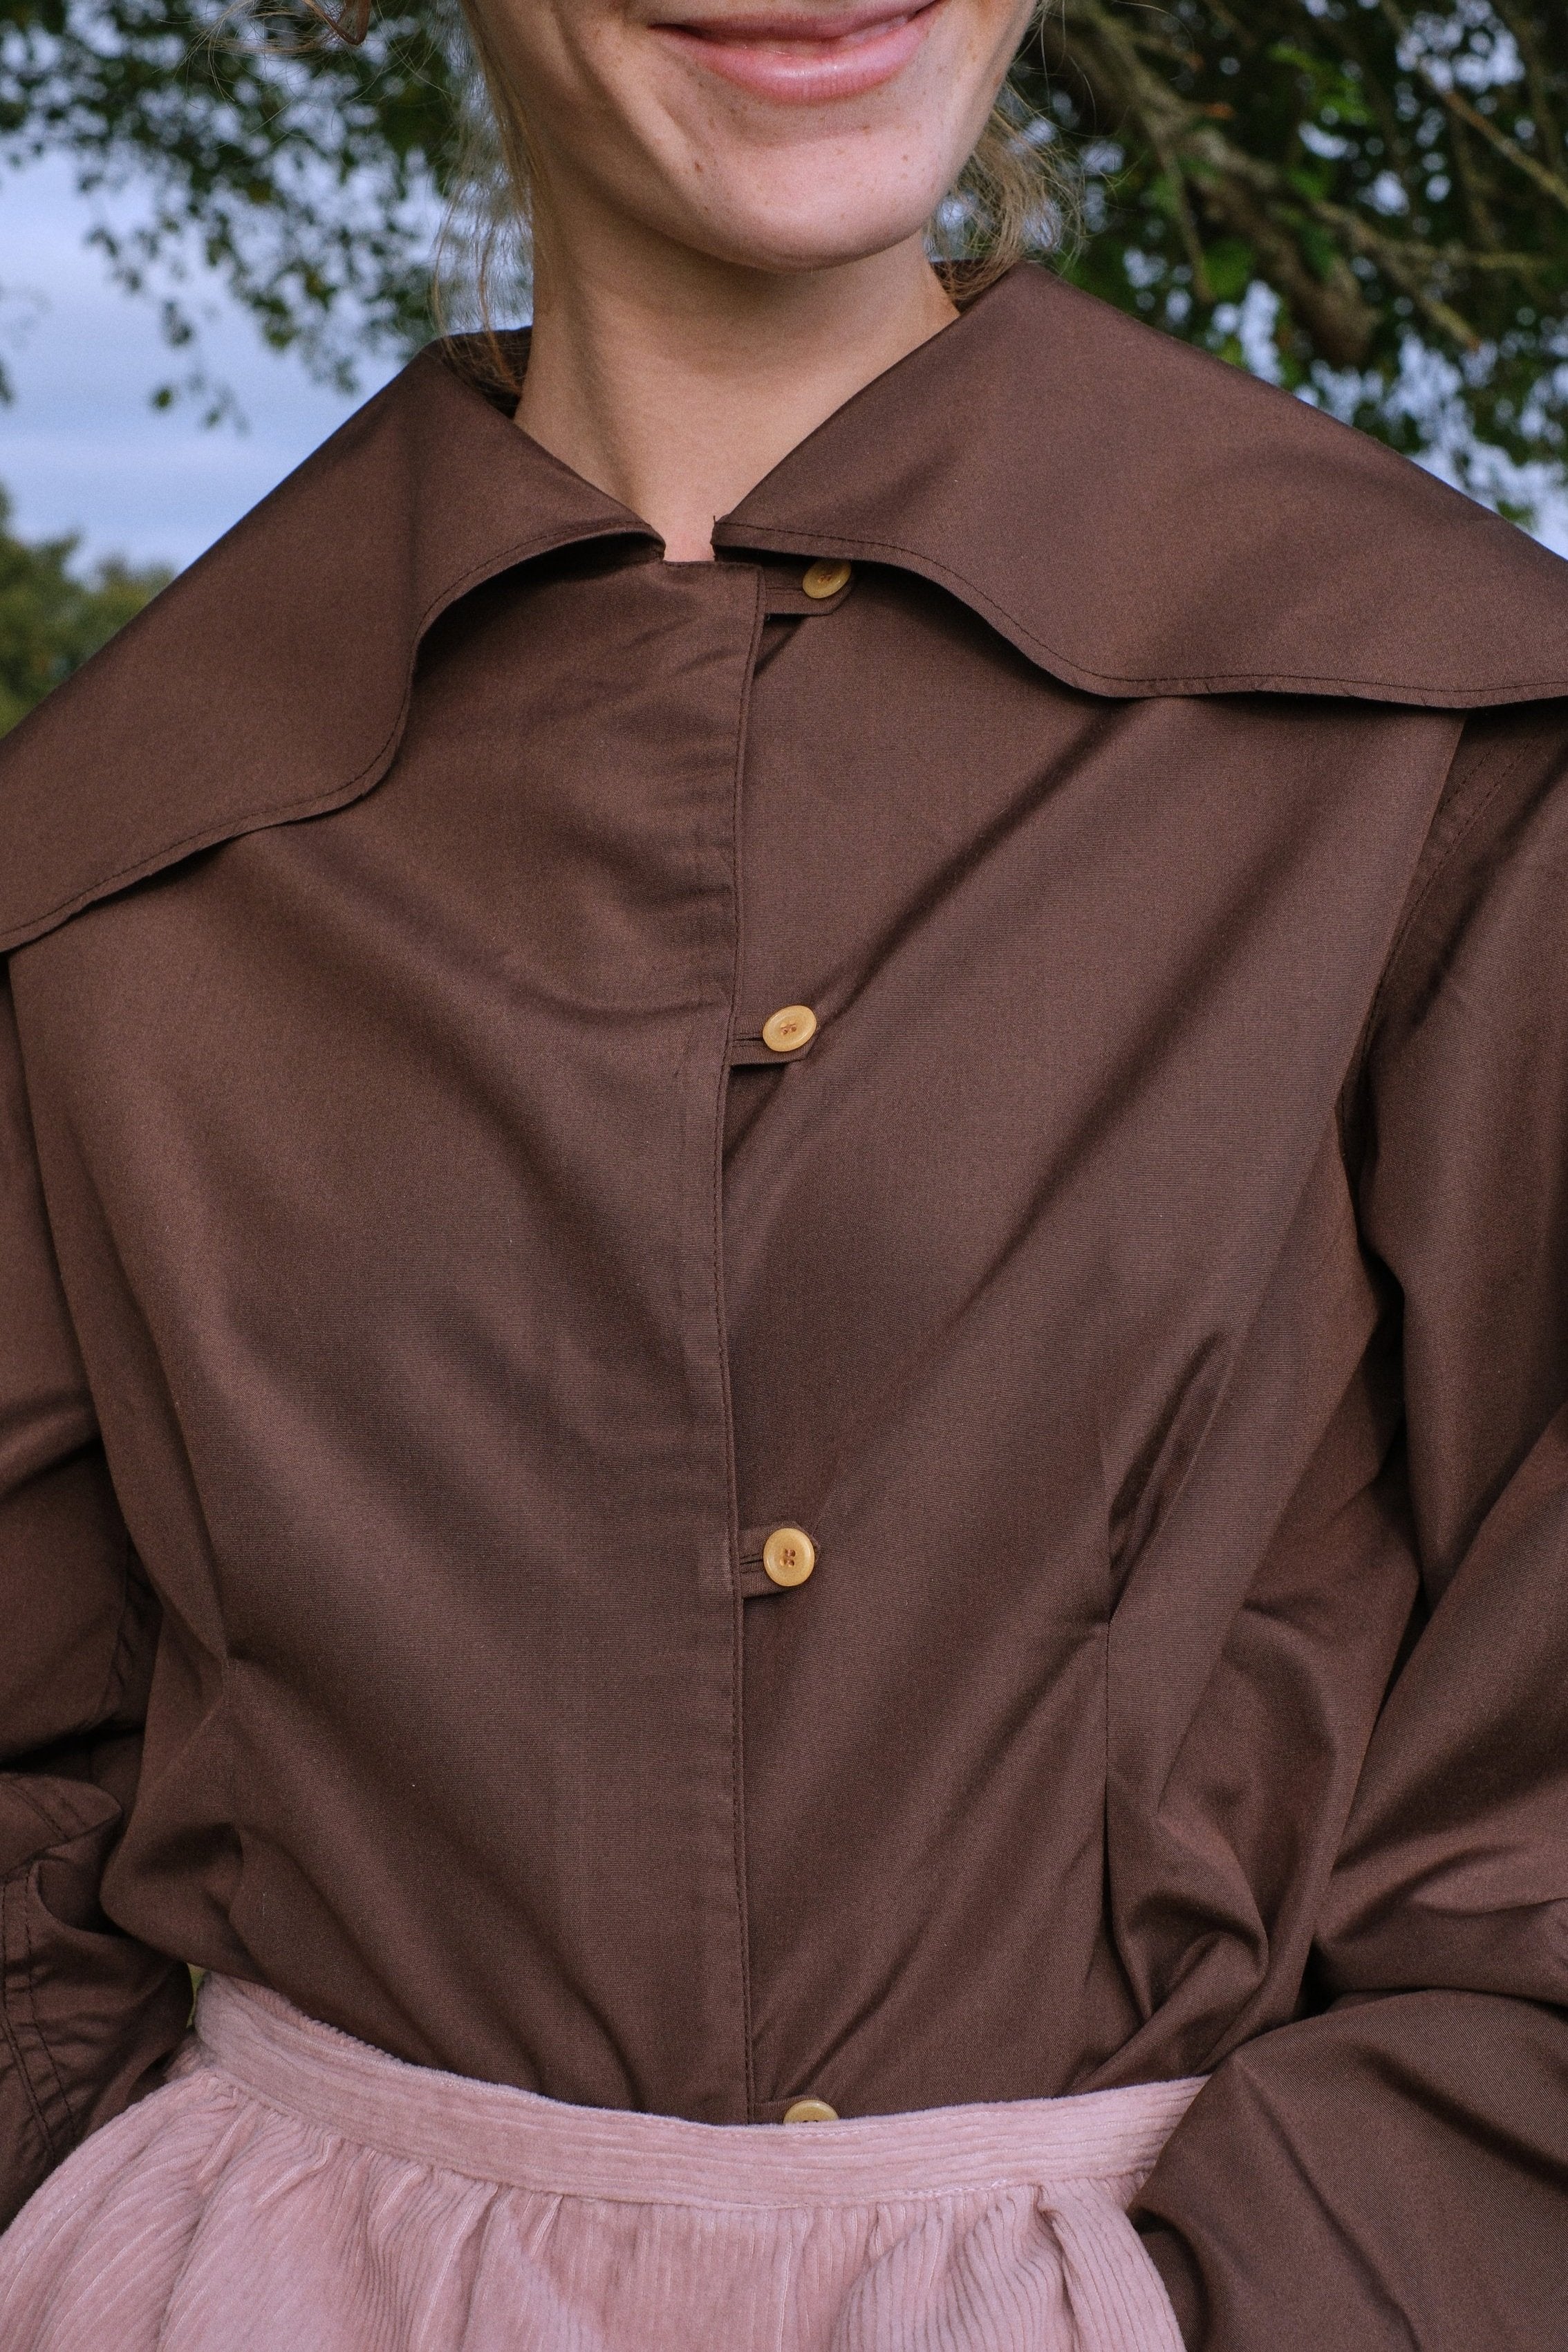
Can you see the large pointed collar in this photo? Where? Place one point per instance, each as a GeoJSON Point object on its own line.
{"type": "Point", "coordinates": [270, 681]}
{"type": "Point", "coordinates": [1140, 519]}
{"type": "Point", "coordinates": [1135, 517]}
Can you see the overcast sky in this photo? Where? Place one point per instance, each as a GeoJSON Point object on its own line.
{"type": "Point", "coordinates": [81, 449]}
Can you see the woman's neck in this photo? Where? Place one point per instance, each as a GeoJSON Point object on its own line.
{"type": "Point", "coordinates": [675, 382]}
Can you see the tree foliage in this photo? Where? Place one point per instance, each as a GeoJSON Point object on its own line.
{"type": "Point", "coordinates": [1395, 177]}
{"type": "Point", "coordinates": [1366, 198]}
{"type": "Point", "coordinates": [309, 176]}
{"type": "Point", "coordinates": [50, 620]}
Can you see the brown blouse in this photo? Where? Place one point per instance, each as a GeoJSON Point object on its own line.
{"type": "Point", "coordinates": [426, 1289]}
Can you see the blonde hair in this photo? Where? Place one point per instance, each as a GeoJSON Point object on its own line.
{"type": "Point", "coordinates": [1011, 200]}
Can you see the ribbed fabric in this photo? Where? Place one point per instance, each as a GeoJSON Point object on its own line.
{"type": "Point", "coordinates": [290, 2190]}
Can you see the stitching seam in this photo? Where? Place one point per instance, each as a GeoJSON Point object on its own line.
{"type": "Point", "coordinates": [119, 1652]}
{"type": "Point", "coordinates": [737, 1751]}
{"type": "Point", "coordinates": [277, 811]}
{"type": "Point", "coordinates": [932, 567]}
{"type": "Point", "coordinates": [8, 1890]}
{"type": "Point", "coordinates": [1440, 867]}
{"type": "Point", "coordinates": [38, 2035]}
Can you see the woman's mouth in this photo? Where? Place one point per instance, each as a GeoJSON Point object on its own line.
{"type": "Point", "coordinates": [805, 58]}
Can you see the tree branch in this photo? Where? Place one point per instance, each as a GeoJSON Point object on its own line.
{"type": "Point", "coordinates": [1236, 189]}
{"type": "Point", "coordinates": [1460, 107]}
{"type": "Point", "coordinates": [1396, 259]}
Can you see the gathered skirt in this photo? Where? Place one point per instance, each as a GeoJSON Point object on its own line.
{"type": "Point", "coordinates": [291, 2189]}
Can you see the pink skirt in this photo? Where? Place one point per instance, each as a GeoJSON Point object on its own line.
{"type": "Point", "coordinates": [290, 2190]}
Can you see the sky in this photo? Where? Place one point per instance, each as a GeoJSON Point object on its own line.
{"type": "Point", "coordinates": [80, 448]}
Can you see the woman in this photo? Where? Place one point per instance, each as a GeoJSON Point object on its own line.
{"type": "Point", "coordinates": [786, 1228]}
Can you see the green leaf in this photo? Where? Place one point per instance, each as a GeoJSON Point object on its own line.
{"type": "Point", "coordinates": [1323, 253]}
{"type": "Point", "coordinates": [1232, 265]}
{"type": "Point", "coordinates": [51, 619]}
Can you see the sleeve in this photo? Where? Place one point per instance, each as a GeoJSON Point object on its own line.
{"type": "Point", "coordinates": [87, 2015]}
{"type": "Point", "coordinates": [1391, 2170]}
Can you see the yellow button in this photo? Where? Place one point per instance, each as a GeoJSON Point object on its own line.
{"type": "Point", "coordinates": [827, 577]}
{"type": "Point", "coordinates": [790, 1028]}
{"type": "Point", "coordinates": [789, 1556]}
{"type": "Point", "coordinates": [811, 2111]}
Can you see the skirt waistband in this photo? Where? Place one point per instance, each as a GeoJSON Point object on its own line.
{"type": "Point", "coordinates": [492, 2132]}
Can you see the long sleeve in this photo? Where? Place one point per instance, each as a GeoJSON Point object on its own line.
{"type": "Point", "coordinates": [86, 2014]}
{"type": "Point", "coordinates": [1392, 2170]}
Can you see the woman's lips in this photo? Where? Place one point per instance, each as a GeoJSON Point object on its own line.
{"type": "Point", "coordinates": [803, 59]}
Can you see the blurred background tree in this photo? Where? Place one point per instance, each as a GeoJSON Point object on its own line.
{"type": "Point", "coordinates": [1386, 186]}
{"type": "Point", "coordinates": [50, 620]}
{"type": "Point", "coordinates": [1362, 199]}
{"type": "Point", "coordinates": [307, 175]}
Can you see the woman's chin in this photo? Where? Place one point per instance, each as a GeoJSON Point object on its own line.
{"type": "Point", "coordinates": [782, 256]}
{"type": "Point", "coordinates": [790, 224]}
